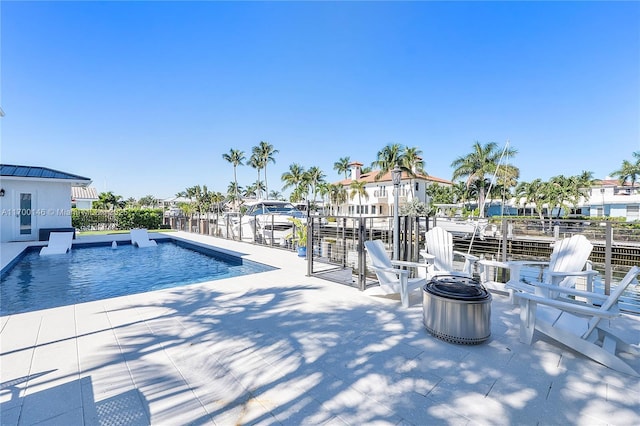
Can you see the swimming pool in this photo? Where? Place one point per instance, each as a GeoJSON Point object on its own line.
{"type": "Point", "coordinates": [100, 272]}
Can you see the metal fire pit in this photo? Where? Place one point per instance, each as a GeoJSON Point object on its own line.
{"type": "Point", "coordinates": [457, 309]}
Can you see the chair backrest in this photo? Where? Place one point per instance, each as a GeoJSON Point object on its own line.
{"type": "Point", "coordinates": [570, 255]}
{"type": "Point", "coordinates": [609, 303]}
{"type": "Point", "coordinates": [439, 242]}
{"type": "Point", "coordinates": [139, 235]}
{"type": "Point", "coordinates": [60, 239]}
{"type": "Point", "coordinates": [380, 259]}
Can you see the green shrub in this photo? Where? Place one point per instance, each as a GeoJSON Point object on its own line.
{"type": "Point", "coordinates": [89, 220]}
{"type": "Point", "coordinates": [138, 218]}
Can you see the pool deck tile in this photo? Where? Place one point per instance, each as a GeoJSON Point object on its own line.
{"type": "Point", "coordinates": [279, 347]}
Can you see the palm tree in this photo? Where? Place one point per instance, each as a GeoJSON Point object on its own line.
{"type": "Point", "coordinates": [358, 188]}
{"type": "Point", "coordinates": [387, 158]}
{"type": "Point", "coordinates": [314, 177]}
{"type": "Point", "coordinates": [148, 201]}
{"type": "Point", "coordinates": [506, 178]}
{"type": "Point", "coordinates": [266, 152]}
{"type": "Point", "coordinates": [629, 171]}
{"type": "Point", "coordinates": [275, 195]}
{"type": "Point", "coordinates": [339, 195]}
{"type": "Point", "coordinates": [108, 200]}
{"type": "Point", "coordinates": [235, 157]}
{"type": "Point", "coordinates": [412, 160]}
{"type": "Point", "coordinates": [342, 166]}
{"type": "Point", "coordinates": [531, 193]}
{"type": "Point", "coordinates": [294, 178]}
{"type": "Point", "coordinates": [477, 165]}
{"type": "Point", "coordinates": [233, 193]}
{"type": "Point", "coordinates": [257, 163]}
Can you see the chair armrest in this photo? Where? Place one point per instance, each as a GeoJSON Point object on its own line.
{"type": "Point", "coordinates": [392, 270]}
{"type": "Point", "coordinates": [494, 263]}
{"type": "Point", "coordinates": [573, 273]}
{"type": "Point", "coordinates": [409, 264]}
{"type": "Point", "coordinates": [567, 306]}
{"type": "Point", "coordinates": [563, 290]}
{"type": "Point", "coordinates": [469, 257]}
{"type": "Point", "coordinates": [427, 256]}
{"type": "Point", "coordinates": [528, 262]}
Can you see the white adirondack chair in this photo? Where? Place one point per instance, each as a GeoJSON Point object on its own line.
{"type": "Point", "coordinates": [59, 243]}
{"type": "Point", "coordinates": [568, 261]}
{"type": "Point", "coordinates": [440, 254]}
{"type": "Point", "coordinates": [393, 280]}
{"type": "Point", "coordinates": [140, 238]}
{"type": "Point", "coordinates": [578, 325]}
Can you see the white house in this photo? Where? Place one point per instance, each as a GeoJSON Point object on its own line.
{"type": "Point", "coordinates": [82, 197]}
{"type": "Point", "coordinates": [606, 198]}
{"type": "Point", "coordinates": [380, 195]}
{"type": "Point", "coordinates": [34, 199]}
{"type": "Point", "coordinates": [612, 199]}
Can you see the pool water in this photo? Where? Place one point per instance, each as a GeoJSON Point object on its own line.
{"type": "Point", "coordinates": [100, 272]}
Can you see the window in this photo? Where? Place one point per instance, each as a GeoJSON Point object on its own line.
{"type": "Point", "coordinates": [373, 209]}
{"type": "Point", "coordinates": [633, 213]}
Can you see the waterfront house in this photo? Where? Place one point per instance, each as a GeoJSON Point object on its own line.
{"type": "Point", "coordinates": [34, 199]}
{"type": "Point", "coordinates": [380, 196]}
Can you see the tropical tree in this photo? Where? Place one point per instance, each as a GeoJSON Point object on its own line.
{"type": "Point", "coordinates": [148, 201]}
{"type": "Point", "coordinates": [387, 158]}
{"type": "Point", "coordinates": [108, 201]}
{"type": "Point", "coordinates": [275, 195]}
{"type": "Point", "coordinates": [294, 178]}
{"type": "Point", "coordinates": [506, 179]}
{"type": "Point", "coordinates": [412, 160]}
{"type": "Point", "coordinates": [314, 177]}
{"type": "Point", "coordinates": [233, 193]}
{"type": "Point", "coordinates": [342, 166]}
{"type": "Point", "coordinates": [478, 165]}
{"type": "Point", "coordinates": [235, 157]}
{"type": "Point", "coordinates": [534, 192]}
{"type": "Point", "coordinates": [357, 187]}
{"type": "Point", "coordinates": [266, 151]}
{"type": "Point", "coordinates": [324, 189]}
{"type": "Point", "coordinates": [131, 203]}
{"type": "Point", "coordinates": [439, 194]}
{"type": "Point", "coordinates": [257, 163]}
{"type": "Point", "coordinates": [337, 195]}
{"type": "Point", "coordinates": [629, 171]}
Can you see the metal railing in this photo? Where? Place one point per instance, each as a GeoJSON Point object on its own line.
{"type": "Point", "coordinates": [335, 244]}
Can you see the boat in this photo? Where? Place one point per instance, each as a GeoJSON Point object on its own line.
{"type": "Point", "coordinates": [268, 221]}
{"type": "Point", "coordinates": [449, 217]}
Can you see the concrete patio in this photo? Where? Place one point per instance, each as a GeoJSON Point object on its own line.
{"type": "Point", "coordinates": [282, 348]}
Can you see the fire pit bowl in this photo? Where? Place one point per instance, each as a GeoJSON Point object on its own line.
{"type": "Point", "coordinates": [457, 309]}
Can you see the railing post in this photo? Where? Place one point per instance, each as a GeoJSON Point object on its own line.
{"type": "Point", "coordinates": [608, 251]}
{"type": "Point", "coordinates": [309, 243]}
{"type": "Point", "coordinates": [362, 257]}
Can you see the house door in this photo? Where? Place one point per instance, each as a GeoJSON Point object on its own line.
{"type": "Point", "coordinates": [25, 223]}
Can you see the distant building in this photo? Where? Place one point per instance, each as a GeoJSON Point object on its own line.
{"type": "Point", "coordinates": [606, 198]}
{"type": "Point", "coordinates": [34, 198]}
{"type": "Point", "coordinates": [82, 197]}
{"type": "Point", "coordinates": [380, 193]}
{"type": "Point", "coordinates": [611, 199]}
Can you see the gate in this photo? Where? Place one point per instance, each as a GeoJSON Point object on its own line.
{"type": "Point", "coordinates": [335, 245]}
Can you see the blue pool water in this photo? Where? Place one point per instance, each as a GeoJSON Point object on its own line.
{"type": "Point", "coordinates": [100, 272]}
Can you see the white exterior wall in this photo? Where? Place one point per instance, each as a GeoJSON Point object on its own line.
{"type": "Point", "coordinates": [50, 207]}
{"type": "Point", "coordinates": [84, 204]}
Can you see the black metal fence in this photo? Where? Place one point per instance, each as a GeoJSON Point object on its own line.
{"type": "Point", "coordinates": [335, 244]}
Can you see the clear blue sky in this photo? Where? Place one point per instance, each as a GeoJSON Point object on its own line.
{"type": "Point", "coordinates": [145, 97]}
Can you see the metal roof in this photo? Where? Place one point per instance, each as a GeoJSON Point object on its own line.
{"type": "Point", "coordinates": [37, 172]}
{"type": "Point", "coordinates": [84, 193]}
